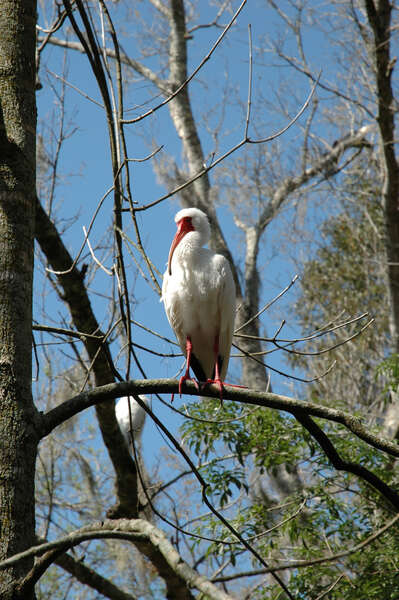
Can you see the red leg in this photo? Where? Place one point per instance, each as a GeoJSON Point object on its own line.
{"type": "Point", "coordinates": [217, 379]}
{"type": "Point", "coordinates": [186, 376]}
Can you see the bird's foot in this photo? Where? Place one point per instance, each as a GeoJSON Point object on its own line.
{"type": "Point", "coordinates": [219, 383]}
{"type": "Point", "coordinates": [186, 377]}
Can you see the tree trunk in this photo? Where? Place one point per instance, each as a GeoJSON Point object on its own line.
{"type": "Point", "coordinates": [18, 442]}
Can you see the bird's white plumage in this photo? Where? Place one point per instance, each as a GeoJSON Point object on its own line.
{"type": "Point", "coordinates": [198, 292]}
{"type": "Point", "coordinates": [123, 417]}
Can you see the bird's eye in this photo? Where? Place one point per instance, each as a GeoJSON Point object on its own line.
{"type": "Point", "coordinates": [186, 224]}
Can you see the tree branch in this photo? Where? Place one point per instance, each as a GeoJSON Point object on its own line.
{"type": "Point", "coordinates": [342, 465]}
{"type": "Point", "coordinates": [89, 577]}
{"type": "Point", "coordinates": [145, 536]}
{"type": "Point", "coordinates": [324, 164]}
{"type": "Point", "coordinates": [73, 406]}
{"type": "Point", "coordinates": [379, 18]}
{"type": "Point", "coordinates": [124, 58]}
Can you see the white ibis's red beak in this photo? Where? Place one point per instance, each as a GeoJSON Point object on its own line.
{"type": "Point", "coordinates": [183, 227]}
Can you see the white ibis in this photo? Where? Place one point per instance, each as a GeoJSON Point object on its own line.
{"type": "Point", "coordinates": [198, 292]}
{"type": "Point", "coordinates": [138, 415]}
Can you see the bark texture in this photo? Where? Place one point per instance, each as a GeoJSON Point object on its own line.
{"type": "Point", "coordinates": [379, 16]}
{"type": "Point", "coordinates": [18, 440]}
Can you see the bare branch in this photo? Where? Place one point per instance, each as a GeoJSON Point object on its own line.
{"type": "Point", "coordinates": [268, 305]}
{"type": "Point", "coordinates": [91, 578]}
{"type": "Point", "coordinates": [223, 157]}
{"type": "Point", "coordinates": [125, 59]}
{"type": "Point", "coordinates": [144, 535]}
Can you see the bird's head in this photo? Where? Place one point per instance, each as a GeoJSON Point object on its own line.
{"type": "Point", "coordinates": [189, 220]}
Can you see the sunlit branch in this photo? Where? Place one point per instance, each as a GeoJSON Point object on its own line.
{"type": "Point", "coordinates": [324, 350]}
{"type": "Point", "coordinates": [331, 587]}
{"type": "Point", "coordinates": [76, 89]}
{"type": "Point", "coordinates": [321, 331]}
{"type": "Point", "coordinates": [136, 531]}
{"type": "Point", "coordinates": [287, 346]}
{"type": "Point", "coordinates": [68, 332]}
{"type": "Point", "coordinates": [281, 523]}
{"type": "Point", "coordinates": [107, 271]}
{"type": "Point", "coordinates": [91, 224]}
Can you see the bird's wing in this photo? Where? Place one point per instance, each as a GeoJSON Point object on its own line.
{"type": "Point", "coordinates": [226, 306]}
{"type": "Point", "coordinates": [173, 309]}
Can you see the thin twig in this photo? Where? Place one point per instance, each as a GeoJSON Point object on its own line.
{"type": "Point", "coordinates": [194, 73]}
{"type": "Point", "coordinates": [269, 304]}
{"type": "Point", "coordinates": [107, 271]}
{"type": "Point", "coordinates": [229, 152]}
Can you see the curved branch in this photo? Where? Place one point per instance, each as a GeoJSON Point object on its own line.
{"type": "Point", "coordinates": [325, 164]}
{"type": "Point", "coordinates": [145, 536]}
{"type": "Point", "coordinates": [73, 406]}
{"type": "Point", "coordinates": [342, 465]}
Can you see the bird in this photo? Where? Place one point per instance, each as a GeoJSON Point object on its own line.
{"type": "Point", "coordinates": [199, 297]}
{"type": "Point", "coordinates": [137, 414]}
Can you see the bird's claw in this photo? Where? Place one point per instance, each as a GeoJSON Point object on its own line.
{"type": "Point", "coordinates": [184, 378]}
{"type": "Point", "coordinates": [219, 383]}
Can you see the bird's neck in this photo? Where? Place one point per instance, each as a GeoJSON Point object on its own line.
{"type": "Point", "coordinates": [191, 243]}
{"type": "Point", "coordinates": [189, 251]}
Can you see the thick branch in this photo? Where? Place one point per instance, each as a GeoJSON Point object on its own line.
{"type": "Point", "coordinates": [343, 465]}
{"type": "Point", "coordinates": [149, 540]}
{"type": "Point", "coordinates": [73, 406]}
